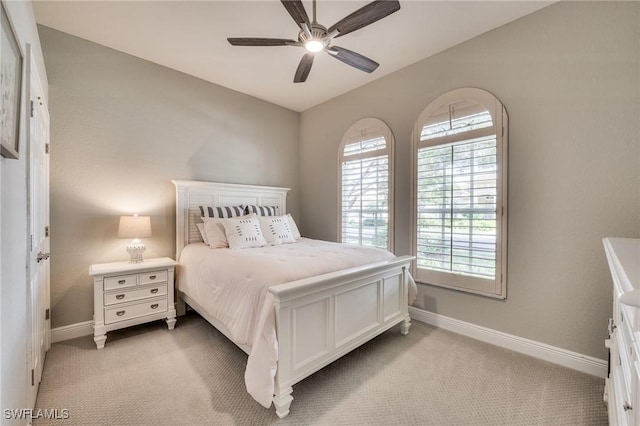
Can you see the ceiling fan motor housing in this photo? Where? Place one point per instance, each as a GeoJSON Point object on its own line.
{"type": "Point", "coordinates": [317, 32]}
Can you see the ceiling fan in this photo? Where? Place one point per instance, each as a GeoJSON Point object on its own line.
{"type": "Point", "coordinates": [317, 38]}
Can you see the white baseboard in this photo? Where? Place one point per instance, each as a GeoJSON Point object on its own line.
{"type": "Point", "coordinates": [576, 361]}
{"type": "Point", "coordinates": [71, 331]}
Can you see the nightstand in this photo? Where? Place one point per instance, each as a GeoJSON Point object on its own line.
{"type": "Point", "coordinates": [126, 294]}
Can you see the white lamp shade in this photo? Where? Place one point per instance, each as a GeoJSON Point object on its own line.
{"type": "Point", "coordinates": [134, 227]}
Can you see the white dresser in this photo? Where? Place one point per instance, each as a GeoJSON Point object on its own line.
{"type": "Point", "coordinates": [622, 388]}
{"type": "Point", "coordinates": [127, 294]}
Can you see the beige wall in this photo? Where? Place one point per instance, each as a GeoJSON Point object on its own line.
{"type": "Point", "coordinates": [121, 129]}
{"type": "Point", "coordinates": [568, 76]}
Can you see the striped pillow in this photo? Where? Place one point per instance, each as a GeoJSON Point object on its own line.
{"type": "Point", "coordinates": [261, 210]}
{"type": "Point", "coordinates": [221, 212]}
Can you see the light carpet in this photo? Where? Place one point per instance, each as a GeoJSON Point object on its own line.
{"type": "Point", "coordinates": [148, 375]}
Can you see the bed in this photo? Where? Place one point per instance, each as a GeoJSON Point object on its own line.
{"type": "Point", "coordinates": [301, 322]}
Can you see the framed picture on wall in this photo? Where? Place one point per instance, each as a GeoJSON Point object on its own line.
{"type": "Point", "coordinates": [10, 88]}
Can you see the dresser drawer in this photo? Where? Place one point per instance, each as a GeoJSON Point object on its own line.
{"type": "Point", "coordinates": [134, 310]}
{"type": "Point", "coordinates": [131, 294]}
{"type": "Point", "coordinates": [623, 368]}
{"type": "Point", "coordinates": [623, 400]}
{"type": "Point", "coordinates": [152, 277]}
{"type": "Point", "coordinates": [121, 281]}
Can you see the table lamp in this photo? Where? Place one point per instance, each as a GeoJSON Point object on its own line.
{"type": "Point", "coordinates": [135, 227]}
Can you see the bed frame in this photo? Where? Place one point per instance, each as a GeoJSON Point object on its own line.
{"type": "Point", "coordinates": [318, 319]}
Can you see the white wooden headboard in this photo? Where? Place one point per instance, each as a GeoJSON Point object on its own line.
{"type": "Point", "coordinates": [190, 194]}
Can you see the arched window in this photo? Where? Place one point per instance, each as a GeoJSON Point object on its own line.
{"type": "Point", "coordinates": [366, 185]}
{"type": "Point", "coordinates": [460, 181]}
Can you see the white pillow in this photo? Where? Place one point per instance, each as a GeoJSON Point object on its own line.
{"type": "Point", "coordinates": [202, 233]}
{"type": "Point", "coordinates": [215, 232]}
{"type": "Point", "coordinates": [294, 227]}
{"type": "Point", "coordinates": [243, 233]}
{"type": "Point", "coordinates": [277, 229]}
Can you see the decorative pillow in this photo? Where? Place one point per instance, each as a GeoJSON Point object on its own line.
{"type": "Point", "coordinates": [203, 234]}
{"type": "Point", "coordinates": [243, 233]}
{"type": "Point", "coordinates": [261, 210]}
{"type": "Point", "coordinates": [215, 232]}
{"type": "Point", "coordinates": [277, 229]}
{"type": "Point", "coordinates": [221, 212]}
{"type": "Point", "coordinates": [294, 227]}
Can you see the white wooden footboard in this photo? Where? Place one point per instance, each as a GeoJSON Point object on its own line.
{"type": "Point", "coordinates": [322, 318]}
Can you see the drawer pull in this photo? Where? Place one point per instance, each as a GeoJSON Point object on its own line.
{"type": "Point", "coordinates": [122, 281]}
{"type": "Point", "coordinates": [154, 290]}
{"type": "Point", "coordinates": [120, 296]}
{"type": "Point", "coordinates": [152, 277]}
{"type": "Point", "coordinates": [626, 406]}
{"type": "Point", "coordinates": [154, 306]}
{"type": "Point", "coordinates": [120, 313]}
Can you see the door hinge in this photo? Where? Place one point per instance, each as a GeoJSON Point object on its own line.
{"type": "Point", "coordinates": [46, 231]}
{"type": "Point", "coordinates": [33, 377]}
{"type": "Point", "coordinates": [31, 242]}
{"type": "Point", "coordinates": [31, 109]}
{"type": "Point", "coordinates": [46, 148]}
{"type": "Point", "coordinates": [46, 314]}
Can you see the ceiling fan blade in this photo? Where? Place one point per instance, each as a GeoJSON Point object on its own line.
{"type": "Point", "coordinates": [354, 59]}
{"type": "Point", "coordinates": [297, 12]}
{"type": "Point", "coordinates": [303, 68]}
{"type": "Point", "coordinates": [248, 41]}
{"type": "Point", "coordinates": [366, 15]}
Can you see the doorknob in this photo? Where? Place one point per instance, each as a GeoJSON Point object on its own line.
{"type": "Point", "coordinates": [42, 256]}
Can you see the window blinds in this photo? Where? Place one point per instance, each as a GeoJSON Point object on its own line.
{"type": "Point", "coordinates": [365, 193]}
{"type": "Point", "coordinates": [457, 213]}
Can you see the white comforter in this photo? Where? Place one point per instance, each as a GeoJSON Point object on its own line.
{"type": "Point", "coordinates": [232, 286]}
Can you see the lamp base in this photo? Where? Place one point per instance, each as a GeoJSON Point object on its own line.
{"type": "Point", "coordinates": [135, 250]}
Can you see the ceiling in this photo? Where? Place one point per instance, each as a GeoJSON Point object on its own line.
{"type": "Point", "coordinates": [190, 36]}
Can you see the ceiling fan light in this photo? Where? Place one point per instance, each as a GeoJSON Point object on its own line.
{"type": "Point", "coordinates": [314, 46]}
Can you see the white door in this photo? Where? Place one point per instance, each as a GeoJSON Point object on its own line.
{"type": "Point", "coordinates": [38, 187]}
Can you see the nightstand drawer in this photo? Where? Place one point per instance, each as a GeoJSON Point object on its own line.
{"type": "Point", "coordinates": [135, 310]}
{"type": "Point", "coordinates": [129, 295]}
{"type": "Point", "coordinates": [120, 281]}
{"type": "Point", "coordinates": [153, 277]}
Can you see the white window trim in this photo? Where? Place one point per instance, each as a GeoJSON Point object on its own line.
{"type": "Point", "coordinates": [498, 289]}
{"type": "Point", "coordinates": [368, 123]}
